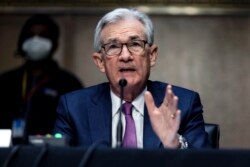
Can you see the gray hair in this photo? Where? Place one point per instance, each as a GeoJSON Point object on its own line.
{"type": "Point", "coordinates": [119, 14]}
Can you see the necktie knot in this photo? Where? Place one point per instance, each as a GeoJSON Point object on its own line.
{"type": "Point", "coordinates": [127, 108]}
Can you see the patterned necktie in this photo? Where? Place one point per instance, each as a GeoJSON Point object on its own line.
{"type": "Point", "coordinates": [129, 139]}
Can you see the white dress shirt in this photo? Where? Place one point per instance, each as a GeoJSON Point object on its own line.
{"type": "Point", "coordinates": [137, 113]}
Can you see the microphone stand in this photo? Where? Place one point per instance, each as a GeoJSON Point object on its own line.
{"type": "Point", "coordinates": [122, 83]}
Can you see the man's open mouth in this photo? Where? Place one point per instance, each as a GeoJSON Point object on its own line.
{"type": "Point", "coordinates": [127, 70]}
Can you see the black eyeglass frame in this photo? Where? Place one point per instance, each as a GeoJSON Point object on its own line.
{"type": "Point", "coordinates": [121, 47]}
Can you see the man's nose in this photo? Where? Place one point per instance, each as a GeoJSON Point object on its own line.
{"type": "Point", "coordinates": [125, 53]}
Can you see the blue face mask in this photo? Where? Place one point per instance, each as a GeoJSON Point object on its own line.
{"type": "Point", "coordinates": [37, 48]}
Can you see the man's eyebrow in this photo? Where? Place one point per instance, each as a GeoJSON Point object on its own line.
{"type": "Point", "coordinates": [115, 40]}
{"type": "Point", "coordinates": [112, 40]}
{"type": "Point", "coordinates": [135, 37]}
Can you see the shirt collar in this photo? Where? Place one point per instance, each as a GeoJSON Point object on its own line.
{"type": "Point", "coordinates": [138, 103]}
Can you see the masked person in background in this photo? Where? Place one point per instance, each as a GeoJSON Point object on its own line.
{"type": "Point", "coordinates": [31, 92]}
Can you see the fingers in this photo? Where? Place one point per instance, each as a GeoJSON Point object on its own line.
{"type": "Point", "coordinates": [169, 106]}
{"type": "Point", "coordinates": [170, 100]}
{"type": "Point", "coordinates": [174, 103]}
{"type": "Point", "coordinates": [178, 119]}
{"type": "Point", "coordinates": [169, 95]}
{"type": "Point", "coordinates": [149, 101]}
{"type": "Point", "coordinates": [176, 115]}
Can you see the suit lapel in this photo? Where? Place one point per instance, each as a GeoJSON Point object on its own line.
{"type": "Point", "coordinates": [100, 115]}
{"type": "Point", "coordinates": [150, 139]}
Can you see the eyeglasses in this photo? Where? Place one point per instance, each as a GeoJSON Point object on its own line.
{"type": "Point", "coordinates": [115, 48]}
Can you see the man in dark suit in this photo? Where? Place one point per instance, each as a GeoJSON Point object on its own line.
{"type": "Point", "coordinates": [125, 49]}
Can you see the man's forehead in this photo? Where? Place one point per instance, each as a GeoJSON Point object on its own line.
{"type": "Point", "coordinates": [126, 28]}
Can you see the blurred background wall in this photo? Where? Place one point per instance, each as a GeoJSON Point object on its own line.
{"type": "Point", "coordinates": [205, 49]}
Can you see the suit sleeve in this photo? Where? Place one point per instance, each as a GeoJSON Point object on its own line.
{"type": "Point", "coordinates": [192, 125]}
{"type": "Point", "coordinates": [64, 124]}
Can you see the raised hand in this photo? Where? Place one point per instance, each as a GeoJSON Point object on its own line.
{"type": "Point", "coordinates": [165, 120]}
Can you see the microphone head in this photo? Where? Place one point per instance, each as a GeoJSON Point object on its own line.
{"type": "Point", "coordinates": [123, 82]}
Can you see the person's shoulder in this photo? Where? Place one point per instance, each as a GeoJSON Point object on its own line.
{"type": "Point", "coordinates": [62, 75]}
{"type": "Point", "coordinates": [176, 88]}
{"type": "Point", "coordinates": [59, 71]}
{"type": "Point", "coordinates": [66, 75]}
{"type": "Point", "coordinates": [12, 73]}
{"type": "Point", "coordinates": [90, 91]}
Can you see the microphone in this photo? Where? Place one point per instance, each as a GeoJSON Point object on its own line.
{"type": "Point", "coordinates": [122, 83]}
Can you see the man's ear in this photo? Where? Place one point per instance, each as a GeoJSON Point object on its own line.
{"type": "Point", "coordinates": [99, 62]}
{"type": "Point", "coordinates": [153, 54]}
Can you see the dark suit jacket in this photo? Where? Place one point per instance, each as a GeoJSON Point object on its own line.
{"type": "Point", "coordinates": [84, 116]}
